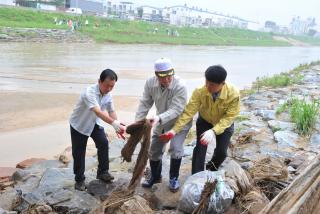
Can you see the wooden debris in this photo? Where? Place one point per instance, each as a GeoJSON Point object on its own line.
{"type": "Point", "coordinates": [301, 196]}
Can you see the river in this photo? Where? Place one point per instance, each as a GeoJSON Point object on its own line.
{"type": "Point", "coordinates": [67, 68]}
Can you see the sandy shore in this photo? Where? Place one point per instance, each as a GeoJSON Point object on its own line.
{"type": "Point", "coordinates": [36, 124]}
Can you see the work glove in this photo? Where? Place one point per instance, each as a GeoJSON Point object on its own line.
{"type": "Point", "coordinates": [208, 137]}
{"type": "Point", "coordinates": [154, 121]}
{"type": "Point", "coordinates": [119, 128]}
{"type": "Point", "coordinates": [166, 137]}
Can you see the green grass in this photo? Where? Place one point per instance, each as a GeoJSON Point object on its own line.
{"type": "Point", "coordinates": [119, 31]}
{"type": "Point", "coordinates": [304, 114]}
{"type": "Point", "coordinates": [284, 79]}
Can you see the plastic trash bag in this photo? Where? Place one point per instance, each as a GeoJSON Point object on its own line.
{"type": "Point", "coordinates": [219, 201]}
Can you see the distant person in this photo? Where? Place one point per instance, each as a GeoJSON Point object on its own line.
{"type": "Point", "coordinates": [70, 24]}
{"type": "Point", "coordinates": [218, 104]}
{"type": "Point", "coordinates": [169, 94]}
{"type": "Point", "coordinates": [95, 103]}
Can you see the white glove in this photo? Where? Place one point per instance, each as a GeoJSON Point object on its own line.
{"type": "Point", "coordinates": [116, 125]}
{"type": "Point", "coordinates": [208, 137]}
{"type": "Point", "coordinates": [155, 120]}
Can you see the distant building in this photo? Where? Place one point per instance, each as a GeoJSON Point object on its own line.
{"type": "Point", "coordinates": [120, 9]}
{"type": "Point", "coordinates": [87, 6]}
{"type": "Point", "coordinates": [182, 15]}
{"type": "Point", "coordinates": [299, 26]}
{"type": "Point", "coordinates": [150, 13]}
{"type": "Point", "coordinates": [7, 2]}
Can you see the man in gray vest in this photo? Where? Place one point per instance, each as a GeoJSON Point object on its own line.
{"type": "Point", "coordinates": [94, 106]}
{"type": "Point", "coordinates": [169, 94]}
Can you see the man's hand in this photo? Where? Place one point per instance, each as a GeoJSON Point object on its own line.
{"type": "Point", "coordinates": [154, 121]}
{"type": "Point", "coordinates": [208, 137]}
{"type": "Point", "coordinates": [166, 137]}
{"type": "Point", "coordinates": [119, 128]}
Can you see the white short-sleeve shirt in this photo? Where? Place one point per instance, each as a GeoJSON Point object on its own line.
{"type": "Point", "coordinates": [82, 118]}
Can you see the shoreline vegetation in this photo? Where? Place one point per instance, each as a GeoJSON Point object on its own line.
{"type": "Point", "coordinates": [104, 30]}
{"type": "Point", "coordinates": [303, 111]}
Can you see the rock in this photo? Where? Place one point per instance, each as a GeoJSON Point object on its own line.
{"type": "Point", "coordinates": [266, 114]}
{"type": "Point", "coordinates": [54, 179]}
{"type": "Point", "coordinates": [6, 173]}
{"type": "Point", "coordinates": [91, 163]}
{"type": "Point", "coordinates": [286, 138]}
{"type": "Point", "coordinates": [315, 142]}
{"type": "Point", "coordinates": [4, 36]}
{"type": "Point", "coordinates": [165, 198]}
{"type": "Point", "coordinates": [277, 125]}
{"type": "Point", "coordinates": [2, 211]}
{"type": "Point", "coordinates": [81, 202]}
{"type": "Point", "coordinates": [102, 190]}
{"type": "Point", "coordinates": [135, 205]}
{"type": "Point", "coordinates": [42, 166]}
{"type": "Point", "coordinates": [9, 199]}
{"type": "Point", "coordinates": [188, 151]}
{"type": "Point", "coordinates": [66, 156]}
{"type": "Point", "coordinates": [29, 162]}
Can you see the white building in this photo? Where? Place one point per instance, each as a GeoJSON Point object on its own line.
{"type": "Point", "coordinates": [150, 13]}
{"type": "Point", "coordinates": [182, 15]}
{"type": "Point", "coordinates": [7, 2]}
{"type": "Point", "coordinates": [120, 9]}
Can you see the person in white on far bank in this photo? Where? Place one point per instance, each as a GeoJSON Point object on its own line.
{"type": "Point", "coordinates": [94, 106]}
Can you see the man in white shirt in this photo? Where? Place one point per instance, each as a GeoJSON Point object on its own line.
{"type": "Point", "coordinates": [169, 94]}
{"type": "Point", "coordinates": [94, 106]}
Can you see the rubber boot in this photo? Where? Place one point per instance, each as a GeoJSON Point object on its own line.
{"type": "Point", "coordinates": [156, 167]}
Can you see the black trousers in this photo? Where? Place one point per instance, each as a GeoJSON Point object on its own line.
{"type": "Point", "coordinates": [220, 152]}
{"type": "Point", "coordinates": [79, 144]}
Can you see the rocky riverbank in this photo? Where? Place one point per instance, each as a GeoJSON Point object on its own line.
{"type": "Point", "coordinates": [9, 34]}
{"type": "Point", "coordinates": [46, 186]}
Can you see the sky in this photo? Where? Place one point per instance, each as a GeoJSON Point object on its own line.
{"type": "Point", "coordinates": [280, 11]}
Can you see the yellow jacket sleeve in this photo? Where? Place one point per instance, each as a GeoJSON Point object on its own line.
{"type": "Point", "coordinates": [189, 111]}
{"type": "Point", "coordinates": [228, 118]}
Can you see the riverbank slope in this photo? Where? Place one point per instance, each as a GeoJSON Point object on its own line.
{"type": "Point", "coordinates": [18, 20]}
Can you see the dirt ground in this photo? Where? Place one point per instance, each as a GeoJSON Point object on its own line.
{"type": "Point", "coordinates": [24, 110]}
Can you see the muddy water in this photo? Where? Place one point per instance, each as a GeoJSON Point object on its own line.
{"type": "Point", "coordinates": [67, 68]}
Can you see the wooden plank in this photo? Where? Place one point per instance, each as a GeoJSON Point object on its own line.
{"type": "Point", "coordinates": [301, 196]}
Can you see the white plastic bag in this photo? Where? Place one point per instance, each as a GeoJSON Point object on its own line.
{"type": "Point", "coordinates": [219, 201]}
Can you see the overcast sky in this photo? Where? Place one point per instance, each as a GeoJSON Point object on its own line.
{"type": "Point", "coordinates": [280, 11]}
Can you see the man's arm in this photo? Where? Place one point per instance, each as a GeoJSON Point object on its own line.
{"type": "Point", "coordinates": [145, 104]}
{"type": "Point", "coordinates": [103, 115]}
{"type": "Point", "coordinates": [176, 107]}
{"type": "Point", "coordinates": [113, 115]}
{"type": "Point", "coordinates": [228, 118]}
{"type": "Point", "coordinates": [190, 110]}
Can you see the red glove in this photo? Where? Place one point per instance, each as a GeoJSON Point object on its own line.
{"type": "Point", "coordinates": [120, 134]}
{"type": "Point", "coordinates": [166, 137]}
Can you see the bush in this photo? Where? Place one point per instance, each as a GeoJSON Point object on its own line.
{"type": "Point", "coordinates": [304, 114]}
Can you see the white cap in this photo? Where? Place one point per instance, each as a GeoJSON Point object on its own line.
{"type": "Point", "coordinates": [162, 64]}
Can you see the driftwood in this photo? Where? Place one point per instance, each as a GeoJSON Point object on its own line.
{"type": "Point", "coordinates": [139, 130]}
{"type": "Point", "coordinates": [209, 188]}
{"type": "Point", "coordinates": [301, 196]}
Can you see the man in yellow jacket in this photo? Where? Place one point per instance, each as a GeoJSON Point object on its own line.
{"type": "Point", "coordinates": [218, 103]}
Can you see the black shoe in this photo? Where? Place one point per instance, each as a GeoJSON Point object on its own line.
{"type": "Point", "coordinates": [106, 177]}
{"type": "Point", "coordinates": [149, 183]}
{"type": "Point", "coordinates": [80, 186]}
{"type": "Point", "coordinates": [210, 166]}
